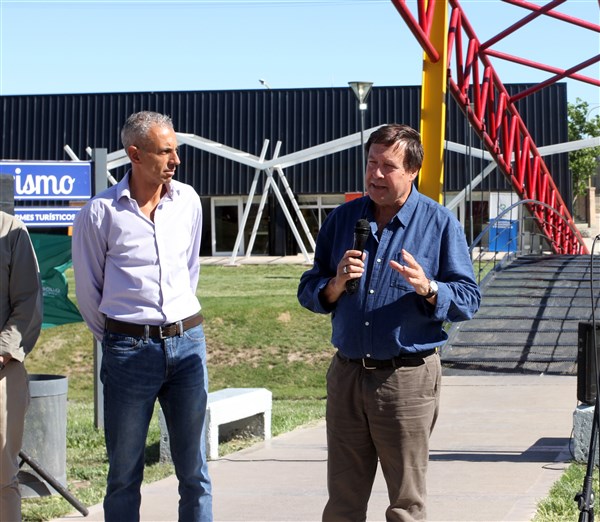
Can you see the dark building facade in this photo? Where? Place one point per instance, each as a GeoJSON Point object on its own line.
{"type": "Point", "coordinates": [38, 127]}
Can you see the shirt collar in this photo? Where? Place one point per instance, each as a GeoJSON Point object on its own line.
{"type": "Point", "coordinates": [123, 187]}
{"type": "Point", "coordinates": [404, 215]}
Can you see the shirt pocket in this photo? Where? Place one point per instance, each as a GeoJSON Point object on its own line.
{"type": "Point", "coordinates": [427, 263]}
{"type": "Point", "coordinates": [397, 281]}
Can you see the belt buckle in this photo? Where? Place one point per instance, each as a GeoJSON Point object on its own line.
{"type": "Point", "coordinates": [179, 329]}
{"type": "Point", "coordinates": [367, 367]}
{"type": "Point", "coordinates": [160, 333]}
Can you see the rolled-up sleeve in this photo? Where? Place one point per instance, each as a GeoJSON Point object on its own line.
{"type": "Point", "coordinates": [459, 294]}
{"type": "Point", "coordinates": [314, 280]}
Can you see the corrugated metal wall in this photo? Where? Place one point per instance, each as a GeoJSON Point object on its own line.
{"type": "Point", "coordinates": [37, 128]}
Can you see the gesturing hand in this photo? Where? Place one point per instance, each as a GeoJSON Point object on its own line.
{"type": "Point", "coordinates": [412, 272]}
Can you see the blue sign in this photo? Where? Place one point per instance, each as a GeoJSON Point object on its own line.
{"type": "Point", "coordinates": [47, 217]}
{"type": "Point", "coordinates": [504, 236]}
{"type": "Point", "coordinates": [44, 180]}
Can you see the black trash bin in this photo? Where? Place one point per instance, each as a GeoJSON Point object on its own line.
{"type": "Point", "coordinates": [45, 435]}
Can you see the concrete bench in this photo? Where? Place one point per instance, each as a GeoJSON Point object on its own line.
{"type": "Point", "coordinates": [230, 412]}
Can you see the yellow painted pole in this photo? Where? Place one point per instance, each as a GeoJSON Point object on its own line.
{"type": "Point", "coordinates": [433, 107]}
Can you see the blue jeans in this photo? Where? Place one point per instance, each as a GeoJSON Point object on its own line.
{"type": "Point", "coordinates": [135, 372]}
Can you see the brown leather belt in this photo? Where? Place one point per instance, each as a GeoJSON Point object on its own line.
{"type": "Point", "coordinates": [160, 332]}
{"type": "Point", "coordinates": [406, 359]}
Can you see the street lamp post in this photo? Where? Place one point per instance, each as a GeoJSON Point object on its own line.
{"type": "Point", "coordinates": [361, 91]}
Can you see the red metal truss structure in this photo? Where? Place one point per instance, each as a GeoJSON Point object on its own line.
{"type": "Point", "coordinates": [491, 112]}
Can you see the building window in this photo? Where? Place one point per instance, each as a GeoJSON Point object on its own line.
{"type": "Point", "coordinates": [315, 209]}
{"type": "Point", "coordinates": [226, 221]}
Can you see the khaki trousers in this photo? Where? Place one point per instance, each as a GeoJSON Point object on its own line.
{"type": "Point", "coordinates": [386, 415]}
{"type": "Point", "coordinates": [14, 400]}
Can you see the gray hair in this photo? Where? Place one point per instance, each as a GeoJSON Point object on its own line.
{"type": "Point", "coordinates": [136, 128]}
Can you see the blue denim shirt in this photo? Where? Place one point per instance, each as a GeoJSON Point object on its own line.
{"type": "Point", "coordinates": [386, 317]}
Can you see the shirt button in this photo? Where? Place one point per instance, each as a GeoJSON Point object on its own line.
{"type": "Point", "coordinates": [371, 291]}
{"type": "Point", "coordinates": [366, 323]}
{"type": "Point", "coordinates": [379, 260]}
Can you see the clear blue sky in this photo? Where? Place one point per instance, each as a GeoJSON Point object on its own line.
{"type": "Point", "coordinates": [81, 46]}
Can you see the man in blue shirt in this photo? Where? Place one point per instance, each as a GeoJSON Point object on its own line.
{"type": "Point", "coordinates": [383, 384]}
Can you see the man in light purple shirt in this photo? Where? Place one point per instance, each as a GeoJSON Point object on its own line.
{"type": "Point", "coordinates": [136, 249]}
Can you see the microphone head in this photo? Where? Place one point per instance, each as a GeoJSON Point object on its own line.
{"type": "Point", "coordinates": [362, 230]}
{"type": "Point", "coordinates": [362, 227]}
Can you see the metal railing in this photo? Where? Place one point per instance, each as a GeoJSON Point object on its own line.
{"type": "Point", "coordinates": [502, 240]}
{"type": "Point", "coordinates": [492, 113]}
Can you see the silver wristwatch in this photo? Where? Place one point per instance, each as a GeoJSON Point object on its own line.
{"type": "Point", "coordinates": [433, 290]}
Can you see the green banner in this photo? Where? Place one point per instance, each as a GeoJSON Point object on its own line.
{"type": "Point", "coordinates": [54, 257]}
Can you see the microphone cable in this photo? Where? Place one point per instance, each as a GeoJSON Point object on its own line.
{"type": "Point", "coordinates": [593, 303]}
{"type": "Point", "coordinates": [596, 416]}
{"type": "Point", "coordinates": [585, 498]}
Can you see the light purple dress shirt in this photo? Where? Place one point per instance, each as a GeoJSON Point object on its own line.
{"type": "Point", "coordinates": [132, 269]}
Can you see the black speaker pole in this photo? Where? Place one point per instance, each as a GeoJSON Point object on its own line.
{"type": "Point", "coordinates": [585, 499]}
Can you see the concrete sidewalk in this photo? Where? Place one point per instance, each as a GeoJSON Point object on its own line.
{"type": "Point", "coordinates": [499, 445]}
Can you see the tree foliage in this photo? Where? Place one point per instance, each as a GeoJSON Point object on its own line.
{"type": "Point", "coordinates": [583, 163]}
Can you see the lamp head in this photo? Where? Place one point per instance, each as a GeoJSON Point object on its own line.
{"type": "Point", "coordinates": [361, 90]}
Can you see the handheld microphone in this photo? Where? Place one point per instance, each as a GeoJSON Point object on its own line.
{"type": "Point", "coordinates": [362, 230]}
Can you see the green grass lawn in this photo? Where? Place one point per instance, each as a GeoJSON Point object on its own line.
{"type": "Point", "coordinates": [257, 336]}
